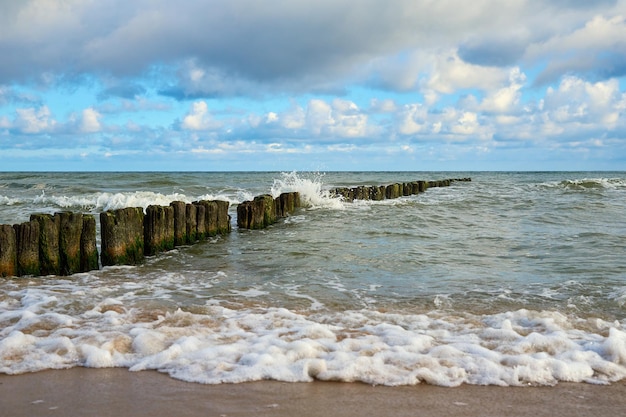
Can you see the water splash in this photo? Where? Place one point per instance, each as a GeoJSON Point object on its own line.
{"type": "Point", "coordinates": [310, 187]}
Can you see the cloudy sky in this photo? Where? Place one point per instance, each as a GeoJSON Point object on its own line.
{"type": "Point", "coordinates": [221, 85]}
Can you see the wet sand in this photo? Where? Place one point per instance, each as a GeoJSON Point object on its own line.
{"type": "Point", "coordinates": [118, 392]}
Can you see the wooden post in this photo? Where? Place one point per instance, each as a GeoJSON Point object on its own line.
{"type": "Point", "coordinates": [49, 253]}
{"type": "Point", "coordinates": [158, 229]}
{"type": "Point", "coordinates": [122, 236]}
{"type": "Point", "coordinates": [88, 249]}
{"type": "Point", "coordinates": [70, 231]}
{"type": "Point", "coordinates": [223, 218]}
{"type": "Point", "coordinates": [201, 230]}
{"type": "Point", "coordinates": [180, 222]}
{"type": "Point", "coordinates": [191, 223]}
{"type": "Point", "coordinates": [27, 242]}
{"type": "Point", "coordinates": [8, 251]}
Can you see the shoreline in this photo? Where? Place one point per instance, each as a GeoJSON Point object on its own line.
{"type": "Point", "coordinates": [119, 392]}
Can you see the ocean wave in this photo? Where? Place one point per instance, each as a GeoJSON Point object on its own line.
{"type": "Point", "coordinates": [8, 201]}
{"type": "Point", "coordinates": [585, 184]}
{"type": "Point", "coordinates": [110, 201]}
{"type": "Point", "coordinates": [222, 345]}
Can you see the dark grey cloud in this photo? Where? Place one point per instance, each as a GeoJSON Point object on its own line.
{"type": "Point", "coordinates": [291, 46]}
{"type": "Point", "coordinates": [126, 90]}
{"type": "Point", "coordinates": [494, 52]}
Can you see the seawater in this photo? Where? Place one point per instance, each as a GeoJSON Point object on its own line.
{"type": "Point", "coordinates": [511, 279]}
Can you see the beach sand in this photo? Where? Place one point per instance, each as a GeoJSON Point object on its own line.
{"type": "Point", "coordinates": [118, 392]}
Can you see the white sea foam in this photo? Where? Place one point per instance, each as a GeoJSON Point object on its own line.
{"type": "Point", "coordinates": [8, 201]}
{"type": "Point", "coordinates": [111, 201]}
{"type": "Point", "coordinates": [227, 345]}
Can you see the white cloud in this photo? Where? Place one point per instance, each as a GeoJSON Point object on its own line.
{"type": "Point", "coordinates": [200, 118]}
{"type": "Point", "coordinates": [90, 122]}
{"type": "Point", "coordinates": [412, 119]}
{"type": "Point", "coordinates": [31, 120]}
{"type": "Point", "coordinates": [504, 100]}
{"type": "Point", "coordinates": [585, 102]}
{"type": "Point", "coordinates": [450, 73]}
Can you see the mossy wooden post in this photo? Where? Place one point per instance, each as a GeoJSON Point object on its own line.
{"type": "Point", "coordinates": [393, 191]}
{"type": "Point", "coordinates": [252, 214]}
{"type": "Point", "coordinates": [8, 251]}
{"type": "Point", "coordinates": [378, 192]}
{"type": "Point", "coordinates": [201, 226]}
{"type": "Point", "coordinates": [245, 214]}
{"type": "Point", "coordinates": [27, 243]}
{"type": "Point", "coordinates": [70, 231]}
{"type": "Point", "coordinates": [223, 218]}
{"type": "Point", "coordinates": [210, 217]}
{"type": "Point", "coordinates": [88, 249]}
{"type": "Point", "coordinates": [407, 189]}
{"type": "Point", "coordinates": [191, 223]}
{"type": "Point", "coordinates": [122, 236]}
{"type": "Point", "coordinates": [158, 229]}
{"type": "Point", "coordinates": [269, 209]}
{"type": "Point", "coordinates": [415, 187]}
{"type": "Point", "coordinates": [49, 253]}
{"type": "Point", "coordinates": [180, 222]}
{"type": "Point", "coordinates": [423, 186]}
{"type": "Point", "coordinates": [286, 203]}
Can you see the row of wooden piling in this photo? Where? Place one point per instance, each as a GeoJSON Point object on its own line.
{"type": "Point", "coordinates": [59, 244]}
{"type": "Point", "coordinates": [396, 190]}
{"type": "Point", "coordinates": [65, 243]}
{"type": "Point", "coordinates": [265, 210]}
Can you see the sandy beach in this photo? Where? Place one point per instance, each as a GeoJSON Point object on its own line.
{"type": "Point", "coordinates": [118, 392]}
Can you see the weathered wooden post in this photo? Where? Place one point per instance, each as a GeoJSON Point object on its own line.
{"type": "Point", "coordinates": [122, 236]}
{"type": "Point", "coordinates": [286, 203]}
{"type": "Point", "coordinates": [49, 253]}
{"type": "Point", "coordinates": [88, 249]}
{"type": "Point", "coordinates": [201, 226]}
{"type": "Point", "coordinates": [180, 222]}
{"type": "Point", "coordinates": [70, 231]}
{"type": "Point", "coordinates": [393, 191]}
{"type": "Point", "coordinates": [27, 242]}
{"type": "Point", "coordinates": [378, 192]}
{"type": "Point", "coordinates": [158, 229]}
{"type": "Point", "coordinates": [191, 223]}
{"type": "Point", "coordinates": [8, 251]}
{"type": "Point", "coordinates": [223, 218]}
{"type": "Point", "coordinates": [210, 217]}
{"type": "Point", "coordinates": [269, 209]}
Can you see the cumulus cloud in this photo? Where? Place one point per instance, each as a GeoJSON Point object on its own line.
{"type": "Point", "coordinates": [90, 122]}
{"type": "Point", "coordinates": [240, 77]}
{"type": "Point", "coordinates": [199, 118]}
{"type": "Point", "coordinates": [34, 120]}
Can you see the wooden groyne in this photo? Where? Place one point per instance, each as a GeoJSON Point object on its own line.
{"type": "Point", "coordinates": [65, 243]}
{"type": "Point", "coordinates": [59, 244]}
{"type": "Point", "coordinates": [265, 210]}
{"type": "Point", "coordinates": [396, 190]}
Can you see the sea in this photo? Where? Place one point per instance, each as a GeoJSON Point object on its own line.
{"type": "Point", "coordinates": [512, 279]}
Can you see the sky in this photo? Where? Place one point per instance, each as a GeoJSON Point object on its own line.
{"type": "Point", "coordinates": [312, 85]}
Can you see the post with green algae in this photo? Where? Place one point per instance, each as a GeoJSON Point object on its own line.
{"type": "Point", "coordinates": [122, 236]}
{"type": "Point", "coordinates": [158, 229]}
{"type": "Point", "coordinates": [27, 243]}
{"type": "Point", "coordinates": [88, 249]}
{"type": "Point", "coordinates": [49, 254]}
{"type": "Point", "coordinates": [8, 251]}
